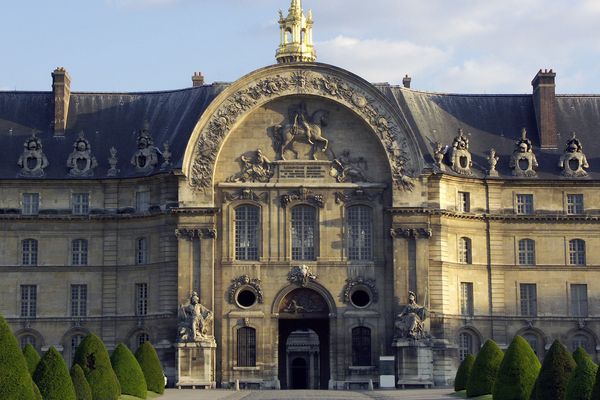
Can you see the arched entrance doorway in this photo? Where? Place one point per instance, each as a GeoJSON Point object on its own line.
{"type": "Point", "coordinates": [303, 340]}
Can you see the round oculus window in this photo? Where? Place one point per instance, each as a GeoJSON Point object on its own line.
{"type": "Point", "coordinates": [246, 298]}
{"type": "Point", "coordinates": [360, 298]}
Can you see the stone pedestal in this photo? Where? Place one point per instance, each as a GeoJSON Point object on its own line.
{"type": "Point", "coordinates": [414, 363]}
{"type": "Point", "coordinates": [196, 364]}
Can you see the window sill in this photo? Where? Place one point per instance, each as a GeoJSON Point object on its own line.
{"type": "Point", "coordinates": [246, 368]}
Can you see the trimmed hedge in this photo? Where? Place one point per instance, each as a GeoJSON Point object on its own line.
{"type": "Point", "coordinates": [596, 389]}
{"type": "Point", "coordinates": [518, 372]}
{"type": "Point", "coordinates": [482, 377]}
{"type": "Point", "coordinates": [15, 380]}
{"type": "Point", "coordinates": [92, 357]}
{"type": "Point", "coordinates": [579, 354]}
{"type": "Point", "coordinates": [555, 373]}
{"type": "Point", "coordinates": [82, 387]}
{"type": "Point", "coordinates": [128, 371]}
{"type": "Point", "coordinates": [32, 358]}
{"type": "Point", "coordinates": [150, 364]}
{"type": "Point", "coordinates": [52, 377]}
{"type": "Point", "coordinates": [463, 372]}
{"type": "Point", "coordinates": [582, 380]}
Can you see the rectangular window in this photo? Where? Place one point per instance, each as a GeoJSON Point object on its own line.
{"type": "Point", "coordinates": [466, 298]}
{"type": "Point", "coordinates": [31, 203]}
{"type": "Point", "coordinates": [141, 299]}
{"type": "Point", "coordinates": [303, 233]}
{"type": "Point", "coordinates": [79, 252]}
{"type": "Point", "coordinates": [81, 203]}
{"type": "Point", "coordinates": [246, 347]}
{"type": "Point", "coordinates": [464, 201]}
{"type": "Point", "coordinates": [28, 301]}
{"type": "Point", "coordinates": [528, 294]}
{"type": "Point", "coordinates": [360, 227]}
{"type": "Point", "coordinates": [524, 204]}
{"type": "Point", "coordinates": [142, 200]}
{"type": "Point", "coordinates": [29, 251]}
{"type": "Point", "coordinates": [579, 300]}
{"type": "Point", "coordinates": [141, 251]}
{"type": "Point", "coordinates": [78, 300]}
{"type": "Point", "coordinates": [526, 252]}
{"type": "Point", "coordinates": [574, 204]}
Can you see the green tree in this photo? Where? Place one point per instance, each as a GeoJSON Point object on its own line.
{"type": "Point", "coordinates": [462, 375]}
{"type": "Point", "coordinates": [15, 380]}
{"type": "Point", "coordinates": [582, 380]}
{"type": "Point", "coordinates": [36, 390]}
{"type": "Point", "coordinates": [518, 372]}
{"type": "Point", "coordinates": [482, 377]}
{"type": "Point", "coordinates": [555, 373]}
{"type": "Point", "coordinates": [153, 372]}
{"type": "Point", "coordinates": [92, 357]}
{"type": "Point", "coordinates": [82, 387]}
{"type": "Point", "coordinates": [579, 354]}
{"type": "Point", "coordinates": [128, 371]}
{"type": "Point", "coordinates": [52, 377]}
{"type": "Point", "coordinates": [32, 357]}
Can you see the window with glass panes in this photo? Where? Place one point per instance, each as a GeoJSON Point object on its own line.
{"type": "Point", "coordinates": [303, 233]}
{"type": "Point", "coordinates": [360, 227]}
{"type": "Point", "coordinates": [29, 251]}
{"type": "Point", "coordinates": [75, 342]}
{"type": "Point", "coordinates": [246, 232]}
{"type": "Point", "coordinates": [79, 252]}
{"type": "Point", "coordinates": [28, 301]}
{"type": "Point", "coordinates": [141, 250]}
{"type": "Point", "coordinates": [81, 203]}
{"type": "Point", "coordinates": [533, 342]}
{"type": "Point", "coordinates": [142, 338]}
{"type": "Point", "coordinates": [464, 201]}
{"type": "Point", "coordinates": [583, 342]}
{"type": "Point", "coordinates": [142, 200]}
{"type": "Point", "coordinates": [31, 203]}
{"type": "Point", "coordinates": [528, 298]}
{"type": "Point", "coordinates": [78, 300]}
{"type": "Point", "coordinates": [465, 345]}
{"type": "Point", "coordinates": [28, 339]}
{"type": "Point", "coordinates": [524, 203]}
{"type": "Point", "coordinates": [361, 346]}
{"type": "Point", "coordinates": [464, 250]}
{"type": "Point", "coordinates": [574, 203]}
{"type": "Point", "coordinates": [141, 299]}
{"type": "Point", "coordinates": [579, 300]}
{"type": "Point", "coordinates": [526, 252]}
{"type": "Point", "coordinates": [466, 298]}
{"type": "Point", "coordinates": [576, 252]}
{"type": "Point", "coordinates": [246, 347]}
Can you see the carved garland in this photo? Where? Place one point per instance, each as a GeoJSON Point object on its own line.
{"type": "Point", "coordinates": [352, 283]}
{"type": "Point", "coordinates": [246, 194]}
{"type": "Point", "coordinates": [302, 194]}
{"type": "Point", "coordinates": [245, 281]}
{"type": "Point", "coordinates": [225, 117]}
{"type": "Point", "coordinates": [196, 233]}
{"type": "Point", "coordinates": [410, 233]}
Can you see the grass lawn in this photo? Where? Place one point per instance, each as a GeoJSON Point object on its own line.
{"type": "Point", "coordinates": [150, 395]}
{"type": "Point", "coordinates": [463, 395]}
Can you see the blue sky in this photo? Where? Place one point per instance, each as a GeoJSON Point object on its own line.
{"type": "Point", "coordinates": [473, 46]}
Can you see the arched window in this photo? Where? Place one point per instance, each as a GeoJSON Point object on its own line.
{"type": "Point", "coordinates": [303, 233]}
{"type": "Point", "coordinates": [142, 338]}
{"type": "Point", "coordinates": [526, 252]}
{"type": "Point", "coordinates": [576, 252]}
{"type": "Point", "coordinates": [464, 251]}
{"type": "Point", "coordinates": [465, 345]}
{"type": "Point", "coordinates": [360, 228]}
{"type": "Point", "coordinates": [30, 251]}
{"type": "Point", "coordinates": [246, 232]}
{"type": "Point", "coordinates": [79, 252]}
{"type": "Point", "coordinates": [535, 343]}
{"type": "Point", "coordinates": [28, 339]}
{"type": "Point", "coordinates": [361, 346]}
{"type": "Point", "coordinates": [141, 250]}
{"type": "Point", "coordinates": [75, 341]}
{"type": "Point", "coordinates": [246, 347]}
{"type": "Point", "coordinates": [583, 341]}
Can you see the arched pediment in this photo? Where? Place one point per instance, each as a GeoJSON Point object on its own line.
{"type": "Point", "coordinates": [310, 79]}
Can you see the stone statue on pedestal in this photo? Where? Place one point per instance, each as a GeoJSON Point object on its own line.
{"type": "Point", "coordinates": [195, 321]}
{"type": "Point", "coordinates": [409, 323]}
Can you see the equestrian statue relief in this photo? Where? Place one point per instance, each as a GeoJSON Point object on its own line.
{"type": "Point", "coordinates": [302, 127]}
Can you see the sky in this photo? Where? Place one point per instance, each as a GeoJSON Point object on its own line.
{"type": "Point", "coordinates": [455, 46]}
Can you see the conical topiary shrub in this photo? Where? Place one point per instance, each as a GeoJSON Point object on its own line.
{"type": "Point", "coordinates": [128, 371]}
{"type": "Point", "coordinates": [32, 357]}
{"type": "Point", "coordinates": [482, 377]}
{"type": "Point", "coordinates": [579, 354]}
{"type": "Point", "coordinates": [52, 377]}
{"type": "Point", "coordinates": [462, 375]}
{"type": "Point", "coordinates": [596, 389]}
{"type": "Point", "coordinates": [582, 380]}
{"type": "Point", "coordinates": [517, 373]}
{"type": "Point", "coordinates": [92, 357]}
{"type": "Point", "coordinates": [15, 380]}
{"type": "Point", "coordinates": [150, 364]}
{"type": "Point", "coordinates": [555, 373]}
{"type": "Point", "coordinates": [82, 387]}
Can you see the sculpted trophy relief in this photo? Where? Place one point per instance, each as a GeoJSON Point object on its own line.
{"type": "Point", "coordinates": [195, 321]}
{"type": "Point", "coordinates": [302, 127]}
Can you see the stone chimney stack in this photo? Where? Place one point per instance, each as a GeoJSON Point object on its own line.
{"type": "Point", "coordinates": [61, 89]}
{"type": "Point", "coordinates": [197, 79]}
{"type": "Point", "coordinates": [544, 103]}
{"type": "Point", "coordinates": [406, 81]}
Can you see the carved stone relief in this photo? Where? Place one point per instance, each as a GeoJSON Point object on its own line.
{"type": "Point", "coordinates": [356, 195]}
{"type": "Point", "coordinates": [246, 194]}
{"type": "Point", "coordinates": [301, 275]}
{"type": "Point", "coordinates": [348, 169]}
{"type": "Point", "coordinates": [245, 281]}
{"type": "Point", "coordinates": [195, 233]}
{"type": "Point", "coordinates": [303, 301]}
{"type": "Point", "coordinates": [113, 161]}
{"type": "Point", "coordinates": [573, 162]}
{"type": "Point", "coordinates": [460, 157]}
{"type": "Point", "coordinates": [492, 159]}
{"type": "Point", "coordinates": [303, 194]}
{"type": "Point", "coordinates": [145, 158]}
{"type": "Point", "coordinates": [302, 126]}
{"type": "Point", "coordinates": [255, 168]}
{"type": "Point", "coordinates": [410, 233]}
{"type": "Point", "coordinates": [81, 163]}
{"type": "Point", "coordinates": [32, 161]}
{"type": "Point", "coordinates": [195, 321]}
{"type": "Point", "coordinates": [523, 162]}
{"type": "Point", "coordinates": [352, 283]}
{"type": "Point", "coordinates": [402, 154]}
{"type": "Point", "coordinates": [438, 154]}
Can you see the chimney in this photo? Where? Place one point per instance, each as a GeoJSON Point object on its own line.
{"type": "Point", "coordinates": [61, 89]}
{"type": "Point", "coordinates": [406, 81]}
{"type": "Point", "coordinates": [197, 79]}
{"type": "Point", "coordinates": [544, 103]}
